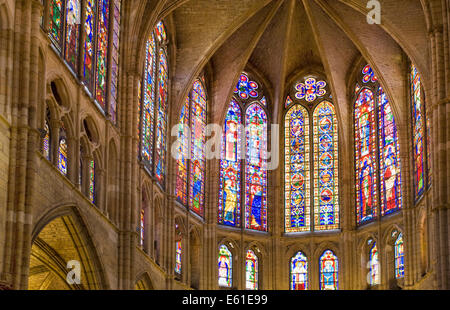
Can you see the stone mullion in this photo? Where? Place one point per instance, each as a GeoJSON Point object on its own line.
{"type": "Point", "coordinates": [170, 183]}
{"type": "Point", "coordinates": [405, 134]}
{"type": "Point", "coordinates": [55, 126]}
{"type": "Point", "coordinates": [134, 197]}
{"type": "Point", "coordinates": [169, 245]}
{"type": "Point", "coordinates": [407, 176]}
{"type": "Point", "coordinates": [82, 38]}
{"type": "Point", "coordinates": [71, 157]}
{"type": "Point", "coordinates": [85, 173]}
{"type": "Point", "coordinates": [99, 181]}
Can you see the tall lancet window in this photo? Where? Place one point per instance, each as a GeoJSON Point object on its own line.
{"type": "Point", "coordinates": [251, 271]}
{"type": "Point", "coordinates": [377, 153]}
{"type": "Point", "coordinates": [225, 266]}
{"type": "Point", "coordinates": [421, 135]}
{"type": "Point", "coordinates": [374, 265]}
{"type": "Point", "coordinates": [329, 271]}
{"type": "Point", "coordinates": [153, 109]}
{"type": "Point", "coordinates": [67, 21]}
{"type": "Point", "coordinates": [311, 117]}
{"type": "Point", "coordinates": [92, 181]}
{"type": "Point", "coordinates": [191, 162]}
{"type": "Point", "coordinates": [299, 272]}
{"type": "Point", "coordinates": [243, 179]}
{"type": "Point", "coordinates": [399, 256]}
{"type": "Point", "coordinates": [63, 150]}
{"type": "Point", "coordinates": [230, 169]}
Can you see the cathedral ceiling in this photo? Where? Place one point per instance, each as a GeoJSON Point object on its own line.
{"type": "Point", "coordinates": [281, 39]}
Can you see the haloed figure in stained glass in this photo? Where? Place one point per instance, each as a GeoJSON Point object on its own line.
{"type": "Point", "coordinates": [390, 176]}
{"type": "Point", "coordinates": [255, 159]}
{"type": "Point", "coordinates": [230, 196]}
{"type": "Point", "coordinates": [366, 185]}
{"type": "Point", "coordinates": [377, 160]}
{"type": "Point", "coordinates": [197, 188]}
{"type": "Point", "coordinates": [328, 271]}
{"type": "Point", "coordinates": [299, 273]}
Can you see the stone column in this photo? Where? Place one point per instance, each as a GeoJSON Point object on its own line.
{"type": "Point", "coordinates": [439, 38]}
{"type": "Point", "coordinates": [24, 143]}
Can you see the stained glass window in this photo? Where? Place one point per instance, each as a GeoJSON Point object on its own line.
{"type": "Point", "coordinates": [102, 51]}
{"type": "Point", "coordinates": [245, 88]}
{"type": "Point", "coordinates": [321, 211]}
{"type": "Point", "coordinates": [89, 44]}
{"type": "Point", "coordinates": [161, 115]}
{"type": "Point", "coordinates": [247, 97]}
{"type": "Point", "coordinates": [92, 181]}
{"type": "Point", "coordinates": [251, 271]}
{"type": "Point", "coordinates": [328, 264]}
{"type": "Point", "coordinates": [377, 153]}
{"type": "Point", "coordinates": [41, 17]}
{"type": "Point", "coordinates": [192, 138]}
{"type": "Point", "coordinates": [230, 169]}
{"type": "Point", "coordinates": [115, 60]}
{"type": "Point", "coordinates": [310, 90]}
{"type": "Point", "coordinates": [299, 272]}
{"type": "Point", "coordinates": [374, 266]}
{"type": "Point", "coordinates": [183, 152]}
{"type": "Point", "coordinates": [326, 195]}
{"type": "Point", "coordinates": [369, 74]}
{"type": "Point", "coordinates": [297, 193]}
{"type": "Point", "coordinates": [160, 31]}
{"type": "Point", "coordinates": [419, 137]}
{"type": "Point", "coordinates": [100, 37]}
{"type": "Point", "coordinates": [46, 141]}
{"type": "Point", "coordinates": [198, 140]}
{"type": "Point", "coordinates": [288, 102]}
{"type": "Point", "coordinates": [80, 168]}
{"type": "Point", "coordinates": [178, 257]}
{"type": "Point", "coordinates": [73, 17]}
{"type": "Point", "coordinates": [225, 266]}
{"type": "Point", "coordinates": [154, 105]}
{"type": "Point", "coordinates": [142, 227]}
{"type": "Point", "coordinates": [256, 170]}
{"type": "Point", "coordinates": [263, 101]}
{"type": "Point", "coordinates": [365, 158]}
{"type": "Point", "coordinates": [62, 155]}
{"type": "Point", "coordinates": [399, 257]}
{"type": "Point", "coordinates": [56, 22]}
{"type": "Point", "coordinates": [148, 103]}
{"type": "Point", "coordinates": [390, 176]}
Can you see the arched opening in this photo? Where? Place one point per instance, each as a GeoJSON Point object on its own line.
{"type": "Point", "coordinates": [144, 283]}
{"type": "Point", "coordinates": [62, 258]}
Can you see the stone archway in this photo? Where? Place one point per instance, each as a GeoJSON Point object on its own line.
{"type": "Point", "coordinates": [60, 241]}
{"type": "Point", "coordinates": [144, 283]}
